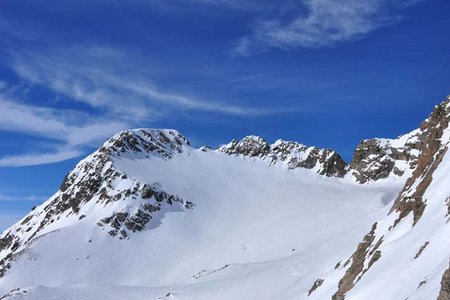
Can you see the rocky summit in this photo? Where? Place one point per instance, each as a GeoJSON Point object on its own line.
{"type": "Point", "coordinates": [147, 216]}
{"type": "Point", "coordinates": [291, 154]}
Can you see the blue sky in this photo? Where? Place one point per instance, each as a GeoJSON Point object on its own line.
{"type": "Point", "coordinates": [322, 72]}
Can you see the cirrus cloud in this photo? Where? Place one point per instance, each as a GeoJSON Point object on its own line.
{"type": "Point", "coordinates": [320, 23]}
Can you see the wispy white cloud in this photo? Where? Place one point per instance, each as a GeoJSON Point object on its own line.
{"type": "Point", "coordinates": [32, 197]}
{"type": "Point", "coordinates": [96, 83]}
{"type": "Point", "coordinates": [69, 139]}
{"type": "Point", "coordinates": [34, 159]}
{"type": "Point", "coordinates": [120, 88]}
{"type": "Point", "coordinates": [54, 123]}
{"type": "Point", "coordinates": [121, 99]}
{"type": "Point", "coordinates": [33, 120]}
{"type": "Point", "coordinates": [320, 23]}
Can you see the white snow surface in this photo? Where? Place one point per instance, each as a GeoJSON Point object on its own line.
{"type": "Point", "coordinates": [256, 231]}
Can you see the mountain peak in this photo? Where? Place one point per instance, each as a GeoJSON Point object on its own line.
{"type": "Point", "coordinates": [133, 195]}
{"type": "Point", "coordinates": [97, 181]}
{"type": "Point", "coordinates": [292, 154]}
{"type": "Point", "coordinates": [418, 215]}
{"type": "Point", "coordinates": [252, 145]}
{"type": "Point", "coordinates": [161, 142]}
{"type": "Point", "coordinates": [377, 158]}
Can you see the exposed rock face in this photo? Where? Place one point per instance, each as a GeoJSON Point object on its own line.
{"type": "Point", "coordinates": [96, 179]}
{"type": "Point", "coordinates": [125, 222]}
{"type": "Point", "coordinates": [444, 293]}
{"type": "Point", "coordinates": [315, 286]}
{"type": "Point", "coordinates": [292, 154]}
{"type": "Point", "coordinates": [431, 148]}
{"type": "Point", "coordinates": [356, 269]}
{"type": "Point", "coordinates": [421, 249]}
{"type": "Point", "coordinates": [163, 143]}
{"type": "Point", "coordinates": [253, 146]}
{"type": "Point", "coordinates": [6, 241]}
{"type": "Point", "coordinates": [15, 292]}
{"type": "Point", "coordinates": [376, 159]}
{"type": "Point", "coordinates": [432, 152]}
{"type": "Point", "coordinates": [373, 159]}
{"type": "Point", "coordinates": [379, 158]}
{"type": "Point", "coordinates": [131, 206]}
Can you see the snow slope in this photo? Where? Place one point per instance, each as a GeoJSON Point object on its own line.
{"type": "Point", "coordinates": [262, 222]}
{"type": "Point", "coordinates": [149, 217]}
{"type": "Point", "coordinates": [405, 253]}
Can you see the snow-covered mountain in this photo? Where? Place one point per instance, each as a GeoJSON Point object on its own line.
{"type": "Point", "coordinates": [147, 216]}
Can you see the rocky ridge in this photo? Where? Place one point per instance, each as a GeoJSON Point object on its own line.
{"type": "Point", "coordinates": [431, 143]}
{"type": "Point", "coordinates": [373, 160]}
{"type": "Point", "coordinates": [376, 159]}
{"type": "Point", "coordinates": [96, 181]}
{"type": "Point", "coordinates": [96, 177]}
{"type": "Point", "coordinates": [130, 206]}
{"type": "Point", "coordinates": [292, 154]}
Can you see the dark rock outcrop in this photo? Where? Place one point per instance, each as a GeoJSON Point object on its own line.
{"type": "Point", "coordinates": [421, 249]}
{"type": "Point", "coordinates": [373, 159]}
{"type": "Point", "coordinates": [356, 269]}
{"type": "Point", "coordinates": [315, 286]}
{"type": "Point", "coordinates": [253, 146]}
{"type": "Point", "coordinates": [444, 292]}
{"type": "Point", "coordinates": [292, 154]}
{"type": "Point", "coordinates": [410, 198]}
{"type": "Point", "coordinates": [163, 143]}
{"type": "Point", "coordinates": [126, 222]}
{"type": "Point", "coordinates": [376, 159]}
{"type": "Point", "coordinates": [95, 179]}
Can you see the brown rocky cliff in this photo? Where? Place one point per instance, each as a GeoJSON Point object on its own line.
{"type": "Point", "coordinates": [410, 200]}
